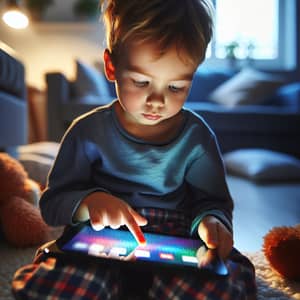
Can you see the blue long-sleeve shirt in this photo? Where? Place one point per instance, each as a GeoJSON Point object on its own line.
{"type": "Point", "coordinates": [185, 173]}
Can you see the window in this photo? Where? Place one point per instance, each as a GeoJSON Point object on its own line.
{"type": "Point", "coordinates": [262, 33]}
{"type": "Point", "coordinates": [240, 23]}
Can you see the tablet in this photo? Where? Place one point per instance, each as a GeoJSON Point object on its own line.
{"type": "Point", "coordinates": [118, 246]}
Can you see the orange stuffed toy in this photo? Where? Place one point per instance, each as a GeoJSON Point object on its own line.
{"type": "Point", "coordinates": [20, 218]}
{"type": "Point", "coordinates": [281, 247]}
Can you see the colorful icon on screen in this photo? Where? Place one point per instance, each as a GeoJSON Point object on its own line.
{"type": "Point", "coordinates": [118, 251]}
{"type": "Point", "coordinates": [142, 253]}
{"type": "Point", "coordinates": [167, 256]}
{"type": "Point", "coordinates": [80, 246]}
{"type": "Point", "coordinates": [189, 259]}
{"type": "Point", "coordinates": [96, 249]}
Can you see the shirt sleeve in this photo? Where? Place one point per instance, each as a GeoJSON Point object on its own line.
{"type": "Point", "coordinates": [69, 181]}
{"type": "Point", "coordinates": [208, 190]}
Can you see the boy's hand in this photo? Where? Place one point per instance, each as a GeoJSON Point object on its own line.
{"type": "Point", "coordinates": [216, 236]}
{"type": "Point", "coordinates": [107, 210]}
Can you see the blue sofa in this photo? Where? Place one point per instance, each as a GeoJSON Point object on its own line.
{"type": "Point", "coordinates": [273, 125]}
{"type": "Point", "coordinates": [13, 103]}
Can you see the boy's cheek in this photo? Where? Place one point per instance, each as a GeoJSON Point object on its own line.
{"type": "Point", "coordinates": [131, 92]}
{"type": "Point", "coordinates": [127, 86]}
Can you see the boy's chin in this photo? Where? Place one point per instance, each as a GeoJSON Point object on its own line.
{"type": "Point", "coordinates": [153, 123]}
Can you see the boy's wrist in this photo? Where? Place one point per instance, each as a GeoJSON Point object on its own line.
{"type": "Point", "coordinates": [82, 213]}
{"type": "Point", "coordinates": [215, 213]}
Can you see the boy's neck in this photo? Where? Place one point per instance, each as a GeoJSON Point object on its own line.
{"type": "Point", "coordinates": [160, 133]}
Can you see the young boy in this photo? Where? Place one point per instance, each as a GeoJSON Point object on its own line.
{"type": "Point", "coordinates": [144, 160]}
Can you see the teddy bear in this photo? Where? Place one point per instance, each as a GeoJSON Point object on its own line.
{"type": "Point", "coordinates": [281, 247]}
{"type": "Point", "coordinates": [20, 219]}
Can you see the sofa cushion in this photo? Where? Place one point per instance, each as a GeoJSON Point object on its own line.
{"type": "Point", "coordinates": [90, 85]}
{"type": "Point", "coordinates": [205, 81]}
{"type": "Point", "coordinates": [37, 159]}
{"type": "Point", "coordinates": [37, 167]}
{"type": "Point", "coordinates": [249, 86]}
{"type": "Point", "coordinates": [45, 149]}
{"type": "Point", "coordinates": [262, 165]}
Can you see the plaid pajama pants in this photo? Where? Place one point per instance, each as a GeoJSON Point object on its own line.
{"type": "Point", "coordinates": [50, 278]}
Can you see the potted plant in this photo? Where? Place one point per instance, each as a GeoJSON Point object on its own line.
{"type": "Point", "coordinates": [230, 50]}
{"type": "Point", "coordinates": [38, 7]}
{"type": "Point", "coordinates": [87, 9]}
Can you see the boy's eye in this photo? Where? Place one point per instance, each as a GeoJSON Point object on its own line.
{"type": "Point", "coordinates": [140, 83]}
{"type": "Point", "coordinates": [175, 89]}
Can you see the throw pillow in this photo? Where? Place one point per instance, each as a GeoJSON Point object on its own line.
{"type": "Point", "coordinates": [37, 159]}
{"type": "Point", "coordinates": [90, 85]}
{"type": "Point", "coordinates": [249, 86]}
{"type": "Point", "coordinates": [45, 149]}
{"type": "Point", "coordinates": [37, 166]}
{"type": "Point", "coordinates": [262, 165]}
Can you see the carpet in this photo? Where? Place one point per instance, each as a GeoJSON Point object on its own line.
{"type": "Point", "coordinates": [12, 258]}
{"type": "Point", "coordinates": [270, 285]}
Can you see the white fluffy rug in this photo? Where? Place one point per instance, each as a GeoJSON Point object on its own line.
{"type": "Point", "coordinates": [270, 285]}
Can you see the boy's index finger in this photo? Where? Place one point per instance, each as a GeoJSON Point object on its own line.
{"type": "Point", "coordinates": [136, 231]}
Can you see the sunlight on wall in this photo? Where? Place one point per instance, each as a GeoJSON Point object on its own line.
{"type": "Point", "coordinates": [49, 46]}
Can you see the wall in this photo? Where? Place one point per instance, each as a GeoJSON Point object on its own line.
{"type": "Point", "coordinates": [55, 44]}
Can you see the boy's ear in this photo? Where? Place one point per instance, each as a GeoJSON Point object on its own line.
{"type": "Point", "coordinates": [108, 66]}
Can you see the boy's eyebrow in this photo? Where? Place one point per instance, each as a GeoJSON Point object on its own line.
{"type": "Point", "coordinates": [137, 69]}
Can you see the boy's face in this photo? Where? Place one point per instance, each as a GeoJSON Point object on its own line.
{"type": "Point", "coordinates": [151, 88]}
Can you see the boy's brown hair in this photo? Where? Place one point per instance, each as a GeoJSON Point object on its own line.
{"type": "Point", "coordinates": [187, 24]}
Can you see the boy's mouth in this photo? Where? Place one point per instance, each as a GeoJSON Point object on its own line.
{"type": "Point", "coordinates": [151, 117]}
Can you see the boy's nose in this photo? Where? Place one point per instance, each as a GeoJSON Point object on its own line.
{"type": "Point", "coordinates": [155, 99]}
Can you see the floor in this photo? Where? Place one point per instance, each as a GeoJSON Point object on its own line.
{"type": "Point", "coordinates": [258, 208]}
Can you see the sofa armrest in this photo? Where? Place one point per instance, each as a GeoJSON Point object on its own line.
{"type": "Point", "coordinates": [13, 103]}
{"type": "Point", "coordinates": [289, 96]}
{"type": "Point", "coordinates": [13, 122]}
{"type": "Point", "coordinates": [12, 76]}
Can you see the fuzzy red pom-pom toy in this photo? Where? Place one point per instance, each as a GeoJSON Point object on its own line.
{"type": "Point", "coordinates": [281, 247]}
{"type": "Point", "coordinates": [20, 219]}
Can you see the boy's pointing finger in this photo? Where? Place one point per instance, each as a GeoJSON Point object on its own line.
{"type": "Point", "coordinates": [135, 229]}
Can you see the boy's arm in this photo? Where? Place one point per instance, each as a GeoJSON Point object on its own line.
{"type": "Point", "coordinates": [71, 197]}
{"type": "Point", "coordinates": [208, 188]}
{"type": "Point", "coordinates": [68, 182]}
